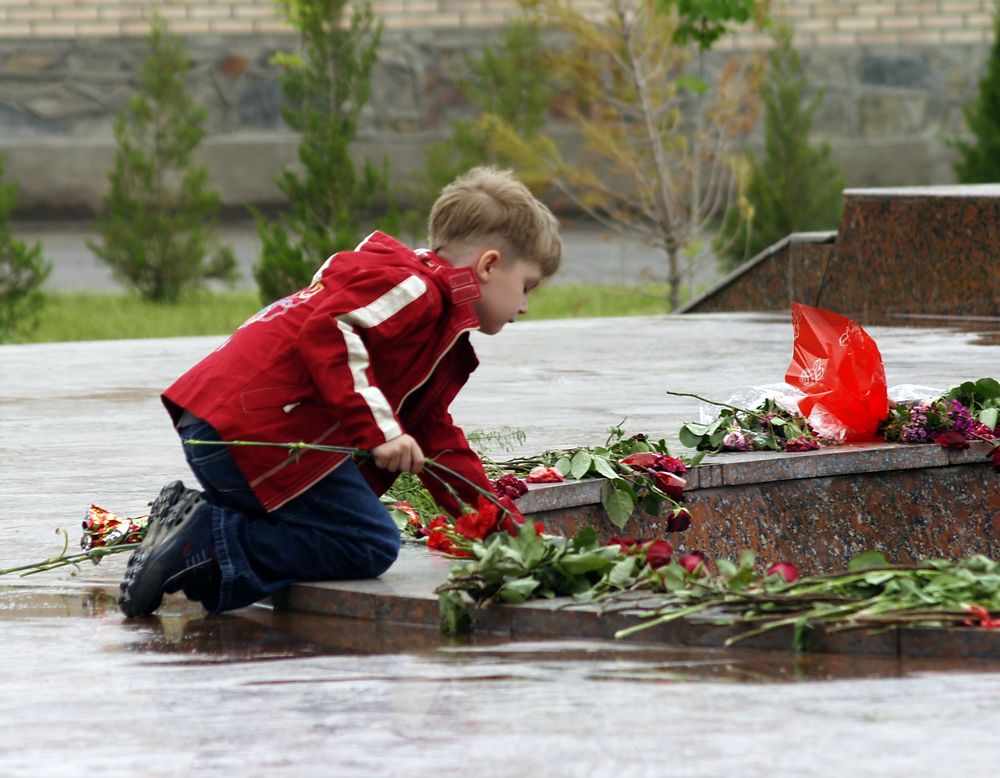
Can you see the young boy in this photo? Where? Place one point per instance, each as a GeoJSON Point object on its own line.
{"type": "Point", "coordinates": [369, 356]}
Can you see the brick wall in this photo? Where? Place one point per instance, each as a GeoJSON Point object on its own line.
{"type": "Point", "coordinates": [823, 23]}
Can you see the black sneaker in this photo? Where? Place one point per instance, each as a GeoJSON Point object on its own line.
{"type": "Point", "coordinates": [177, 551]}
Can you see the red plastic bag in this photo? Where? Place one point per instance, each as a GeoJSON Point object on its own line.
{"type": "Point", "coordinates": [839, 367]}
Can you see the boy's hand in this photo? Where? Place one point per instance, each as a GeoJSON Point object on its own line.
{"type": "Point", "coordinates": [400, 454]}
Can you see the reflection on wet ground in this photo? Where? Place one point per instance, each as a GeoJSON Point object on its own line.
{"type": "Point", "coordinates": [182, 634]}
{"type": "Point", "coordinates": [259, 693]}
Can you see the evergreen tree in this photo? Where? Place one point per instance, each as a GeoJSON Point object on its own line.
{"type": "Point", "coordinates": [325, 89]}
{"type": "Point", "coordinates": [509, 83]}
{"type": "Point", "coordinates": [23, 270]}
{"type": "Point", "coordinates": [980, 160]}
{"type": "Point", "coordinates": [159, 213]}
{"type": "Point", "coordinates": [795, 186]}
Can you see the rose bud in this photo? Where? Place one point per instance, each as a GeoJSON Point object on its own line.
{"type": "Point", "coordinates": [623, 541]}
{"type": "Point", "coordinates": [694, 563]}
{"type": "Point", "coordinates": [679, 520]}
{"type": "Point", "coordinates": [786, 570]}
{"type": "Point", "coordinates": [658, 554]}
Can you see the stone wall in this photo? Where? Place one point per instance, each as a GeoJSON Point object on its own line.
{"type": "Point", "coordinates": [894, 75]}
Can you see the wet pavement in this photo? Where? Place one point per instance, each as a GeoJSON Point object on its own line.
{"type": "Point", "coordinates": [261, 693]}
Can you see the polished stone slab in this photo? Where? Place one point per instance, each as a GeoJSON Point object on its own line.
{"type": "Point", "coordinates": [904, 251]}
{"type": "Point", "coordinates": [404, 596]}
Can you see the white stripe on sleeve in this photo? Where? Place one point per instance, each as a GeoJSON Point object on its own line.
{"type": "Point", "coordinates": [372, 315]}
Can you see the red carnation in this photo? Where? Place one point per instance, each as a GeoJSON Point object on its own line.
{"type": "Point", "coordinates": [694, 563]}
{"type": "Point", "coordinates": [679, 520]}
{"type": "Point", "coordinates": [544, 475]}
{"type": "Point", "coordinates": [512, 518]}
{"type": "Point", "coordinates": [786, 570]}
{"type": "Point", "coordinates": [658, 554]}
{"type": "Point", "coordinates": [952, 439]}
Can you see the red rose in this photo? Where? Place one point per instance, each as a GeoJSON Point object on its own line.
{"type": "Point", "coordinates": [670, 464]}
{"type": "Point", "coordinates": [644, 459]}
{"type": "Point", "coordinates": [670, 484]}
{"type": "Point", "coordinates": [786, 570]}
{"type": "Point", "coordinates": [679, 520]}
{"type": "Point", "coordinates": [694, 563]}
{"type": "Point", "coordinates": [621, 540]}
{"type": "Point", "coordinates": [953, 440]}
{"type": "Point", "coordinates": [510, 485]}
{"type": "Point", "coordinates": [544, 475]}
{"type": "Point", "coordinates": [658, 554]}
{"type": "Point", "coordinates": [994, 454]}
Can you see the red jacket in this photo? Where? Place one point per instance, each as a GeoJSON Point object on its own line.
{"type": "Point", "coordinates": [378, 345]}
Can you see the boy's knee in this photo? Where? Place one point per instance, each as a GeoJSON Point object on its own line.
{"type": "Point", "coordinates": [383, 554]}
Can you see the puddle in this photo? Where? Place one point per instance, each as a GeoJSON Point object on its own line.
{"type": "Point", "coordinates": [264, 693]}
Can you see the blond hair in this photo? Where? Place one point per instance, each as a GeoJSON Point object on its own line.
{"type": "Point", "coordinates": [491, 203]}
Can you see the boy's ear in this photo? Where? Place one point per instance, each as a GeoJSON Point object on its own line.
{"type": "Point", "coordinates": [486, 263]}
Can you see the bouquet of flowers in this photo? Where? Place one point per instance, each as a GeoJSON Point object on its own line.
{"type": "Point", "coordinates": [769, 426]}
{"type": "Point", "coordinates": [969, 411]}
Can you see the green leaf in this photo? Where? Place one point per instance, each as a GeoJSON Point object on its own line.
{"type": "Point", "coordinates": [618, 503]}
{"type": "Point", "coordinates": [868, 559]}
{"type": "Point", "coordinates": [726, 568]}
{"type": "Point", "coordinates": [580, 464]}
{"type": "Point", "coordinates": [623, 573]}
{"type": "Point", "coordinates": [989, 417]}
{"type": "Point", "coordinates": [455, 619]}
{"type": "Point", "coordinates": [696, 459]}
{"type": "Point", "coordinates": [588, 562]}
{"type": "Point", "coordinates": [690, 437]}
{"type": "Point", "coordinates": [564, 465]}
{"type": "Point", "coordinates": [585, 538]}
{"type": "Point", "coordinates": [518, 590]}
{"type": "Point", "coordinates": [988, 388]}
{"type": "Point", "coordinates": [604, 467]}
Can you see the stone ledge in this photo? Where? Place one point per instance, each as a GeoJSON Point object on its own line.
{"type": "Point", "coordinates": [405, 596]}
{"type": "Point", "coordinates": [735, 469]}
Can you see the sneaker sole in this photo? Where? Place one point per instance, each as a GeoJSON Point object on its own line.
{"type": "Point", "coordinates": [141, 590]}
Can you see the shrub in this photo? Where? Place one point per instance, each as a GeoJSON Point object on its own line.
{"type": "Point", "coordinates": [159, 213]}
{"type": "Point", "coordinates": [509, 82]}
{"type": "Point", "coordinates": [980, 159]}
{"type": "Point", "coordinates": [325, 89]}
{"type": "Point", "coordinates": [794, 186]}
{"type": "Point", "coordinates": [23, 270]}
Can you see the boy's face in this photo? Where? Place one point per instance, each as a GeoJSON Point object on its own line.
{"type": "Point", "coordinates": [505, 286]}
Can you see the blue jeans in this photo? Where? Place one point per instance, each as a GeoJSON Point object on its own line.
{"type": "Point", "coordinates": [337, 529]}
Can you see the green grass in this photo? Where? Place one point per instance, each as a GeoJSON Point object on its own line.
{"type": "Point", "coordinates": [587, 301]}
{"type": "Point", "coordinates": [85, 316]}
